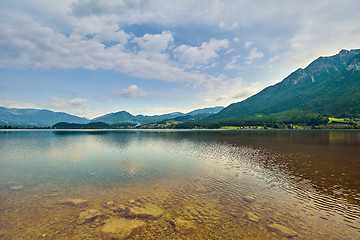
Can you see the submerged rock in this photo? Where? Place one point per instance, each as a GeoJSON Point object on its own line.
{"type": "Point", "coordinates": [120, 208]}
{"type": "Point", "coordinates": [252, 217]}
{"type": "Point", "coordinates": [110, 203]}
{"type": "Point", "coordinates": [121, 227]}
{"type": "Point", "coordinates": [149, 211]}
{"type": "Point", "coordinates": [282, 230]}
{"type": "Point", "coordinates": [249, 199]}
{"type": "Point", "coordinates": [52, 195]}
{"type": "Point", "coordinates": [74, 202]}
{"type": "Point", "coordinates": [17, 187]}
{"type": "Point", "coordinates": [88, 216]}
{"type": "Point", "coordinates": [183, 226]}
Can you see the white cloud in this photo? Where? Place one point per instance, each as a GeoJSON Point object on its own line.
{"type": "Point", "coordinates": [232, 65]}
{"type": "Point", "coordinates": [203, 54]}
{"type": "Point", "coordinates": [12, 103]}
{"type": "Point", "coordinates": [78, 101]}
{"type": "Point", "coordinates": [163, 12]}
{"type": "Point", "coordinates": [112, 34]}
{"type": "Point", "coordinates": [26, 43]}
{"type": "Point", "coordinates": [230, 50]}
{"type": "Point", "coordinates": [132, 91]}
{"type": "Point", "coordinates": [155, 42]}
{"type": "Point", "coordinates": [75, 102]}
{"type": "Point", "coordinates": [248, 44]}
{"type": "Point", "coordinates": [29, 44]}
{"type": "Point", "coordinates": [235, 89]}
{"type": "Point", "coordinates": [254, 54]}
{"type": "Point", "coordinates": [226, 26]}
{"type": "Point", "coordinates": [153, 45]}
{"type": "Point", "coordinates": [323, 34]}
{"type": "Point", "coordinates": [243, 93]}
{"type": "Point", "coordinates": [76, 106]}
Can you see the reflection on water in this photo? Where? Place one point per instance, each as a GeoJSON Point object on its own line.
{"type": "Point", "coordinates": [180, 184]}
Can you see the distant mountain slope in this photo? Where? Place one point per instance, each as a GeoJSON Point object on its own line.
{"type": "Point", "coordinates": [329, 85]}
{"type": "Point", "coordinates": [212, 110]}
{"type": "Point", "coordinates": [156, 118]}
{"type": "Point", "coordinates": [91, 125]}
{"type": "Point", "coordinates": [125, 117]}
{"type": "Point", "coordinates": [47, 118]}
{"type": "Point", "coordinates": [113, 118]}
{"type": "Point", "coordinates": [35, 117]}
{"type": "Point", "coordinates": [186, 118]}
{"type": "Point", "coordinates": [338, 96]}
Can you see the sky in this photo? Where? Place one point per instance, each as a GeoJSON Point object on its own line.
{"type": "Point", "coordinates": [93, 57]}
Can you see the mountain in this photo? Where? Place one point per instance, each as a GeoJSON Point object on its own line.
{"type": "Point", "coordinates": [113, 118]}
{"type": "Point", "coordinates": [187, 119]}
{"type": "Point", "coordinates": [125, 117]}
{"type": "Point", "coordinates": [47, 118]}
{"type": "Point", "coordinates": [206, 111]}
{"type": "Point", "coordinates": [35, 117]}
{"type": "Point", "coordinates": [156, 118]}
{"type": "Point", "coordinates": [329, 86]}
{"type": "Point", "coordinates": [91, 125]}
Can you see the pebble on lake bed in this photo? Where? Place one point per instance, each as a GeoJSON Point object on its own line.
{"type": "Point", "coordinates": [52, 195]}
{"type": "Point", "coordinates": [149, 211]}
{"type": "Point", "coordinates": [17, 187]}
{"type": "Point", "coordinates": [88, 216]}
{"type": "Point", "coordinates": [249, 199]}
{"type": "Point", "coordinates": [282, 230]}
{"type": "Point", "coordinates": [183, 226]}
{"type": "Point", "coordinates": [252, 217]}
{"type": "Point", "coordinates": [74, 202]}
{"type": "Point", "coordinates": [121, 228]}
{"type": "Point", "coordinates": [120, 208]}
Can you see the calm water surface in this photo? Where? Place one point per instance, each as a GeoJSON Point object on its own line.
{"type": "Point", "coordinates": [204, 184]}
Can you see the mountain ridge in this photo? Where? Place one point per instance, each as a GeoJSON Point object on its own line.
{"type": "Point", "coordinates": [298, 83]}
{"type": "Point", "coordinates": [29, 117]}
{"type": "Point", "coordinates": [123, 116]}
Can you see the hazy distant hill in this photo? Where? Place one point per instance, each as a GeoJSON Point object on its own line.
{"type": "Point", "coordinates": [91, 125]}
{"type": "Point", "coordinates": [113, 118]}
{"type": "Point", "coordinates": [328, 86]}
{"type": "Point", "coordinates": [125, 117]}
{"type": "Point", "coordinates": [47, 118]}
{"type": "Point", "coordinates": [212, 110]}
{"type": "Point", "coordinates": [35, 117]}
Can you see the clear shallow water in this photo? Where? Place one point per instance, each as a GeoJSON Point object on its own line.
{"type": "Point", "coordinates": [209, 184]}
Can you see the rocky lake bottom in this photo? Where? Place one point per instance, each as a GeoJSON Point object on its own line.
{"type": "Point", "coordinates": [210, 190]}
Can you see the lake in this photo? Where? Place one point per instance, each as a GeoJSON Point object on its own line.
{"type": "Point", "coordinates": [179, 184]}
